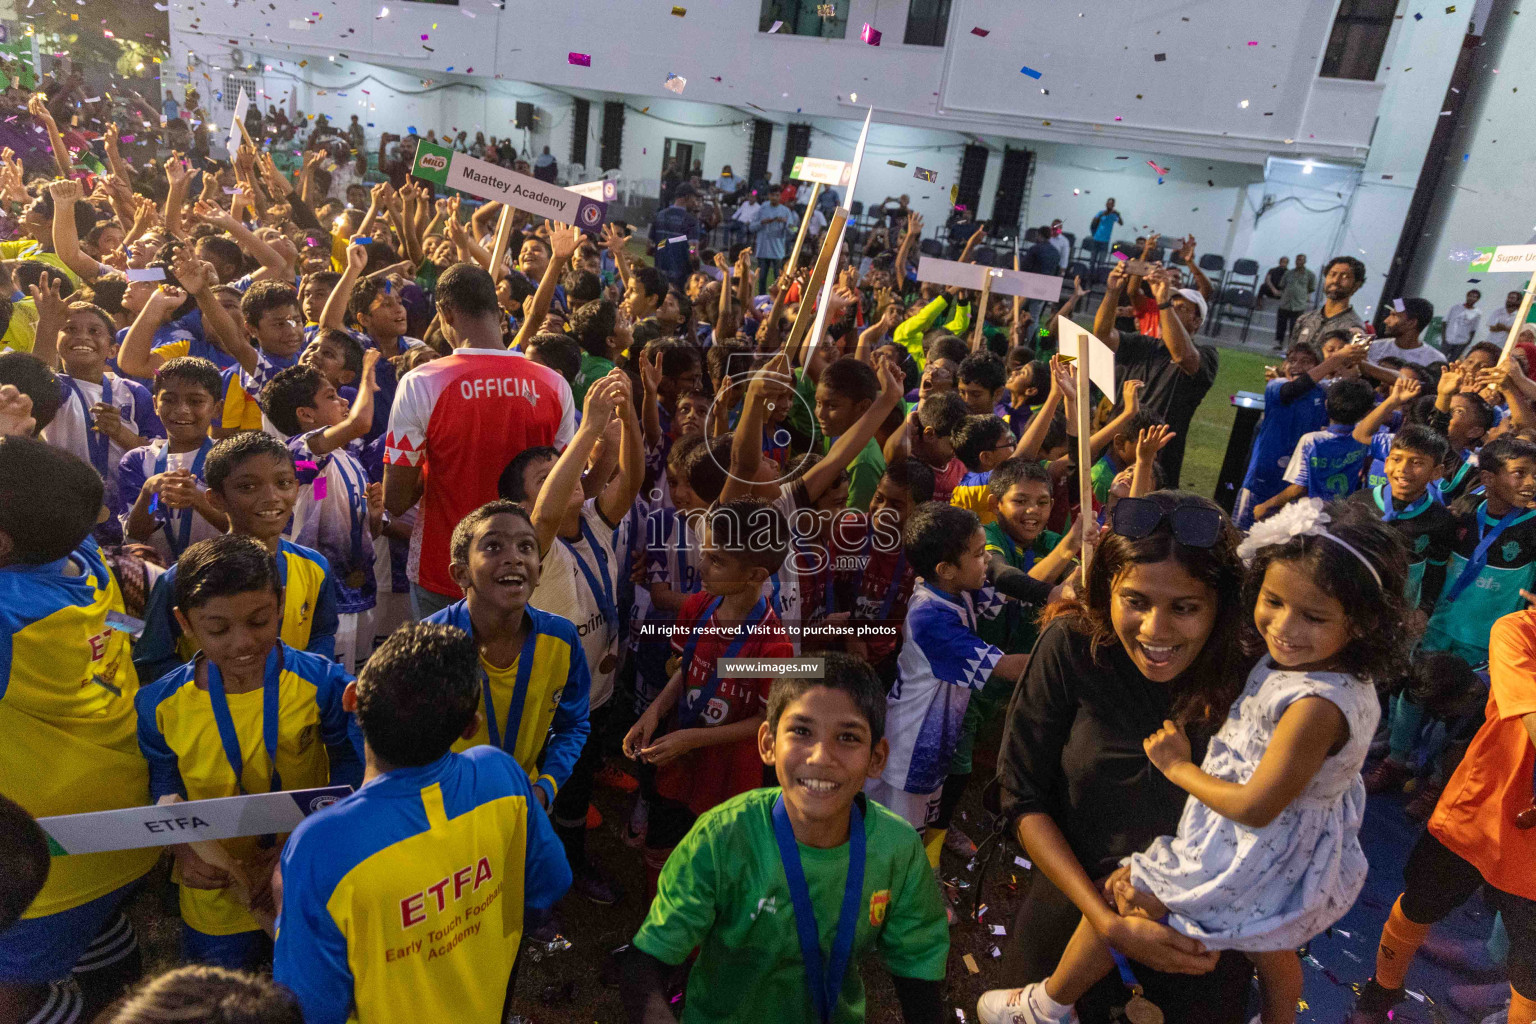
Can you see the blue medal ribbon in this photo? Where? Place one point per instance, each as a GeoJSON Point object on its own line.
{"type": "Point", "coordinates": [519, 695]}
{"type": "Point", "coordinates": [225, 722]}
{"type": "Point", "coordinates": [97, 443]}
{"type": "Point", "coordinates": [1479, 559]}
{"type": "Point", "coordinates": [824, 979]}
{"type": "Point", "coordinates": [602, 589]}
{"type": "Point", "coordinates": [688, 713]}
{"type": "Point", "coordinates": [1389, 511]}
{"type": "Point", "coordinates": [183, 535]}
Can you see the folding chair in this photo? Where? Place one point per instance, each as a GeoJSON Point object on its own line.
{"type": "Point", "coordinates": [1236, 304]}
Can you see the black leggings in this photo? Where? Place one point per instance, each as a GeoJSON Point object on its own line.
{"type": "Point", "coordinates": [1046, 920]}
{"type": "Point", "coordinates": [1437, 881]}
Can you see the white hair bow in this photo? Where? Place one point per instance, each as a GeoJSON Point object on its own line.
{"type": "Point", "coordinates": [1304, 518]}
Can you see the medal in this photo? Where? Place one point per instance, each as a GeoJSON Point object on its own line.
{"type": "Point", "coordinates": [1141, 1010]}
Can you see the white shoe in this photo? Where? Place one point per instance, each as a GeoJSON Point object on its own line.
{"type": "Point", "coordinates": [1011, 1006]}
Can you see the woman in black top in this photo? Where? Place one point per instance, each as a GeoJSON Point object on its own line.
{"type": "Point", "coordinates": [1156, 637]}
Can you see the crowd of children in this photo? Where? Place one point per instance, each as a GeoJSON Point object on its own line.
{"type": "Point", "coordinates": [294, 496]}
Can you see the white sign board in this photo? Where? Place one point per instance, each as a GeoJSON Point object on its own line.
{"type": "Point", "coordinates": [132, 828]}
{"type": "Point", "coordinates": [1505, 259]}
{"type": "Point", "coordinates": [828, 172]}
{"type": "Point", "coordinates": [604, 190]}
{"type": "Point", "coordinates": [242, 107]}
{"type": "Point", "coordinates": [973, 275]}
{"type": "Point", "coordinates": [1101, 360]}
{"type": "Point", "coordinates": [525, 192]}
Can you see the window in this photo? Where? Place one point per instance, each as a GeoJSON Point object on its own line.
{"type": "Point", "coordinates": [805, 17]}
{"type": "Point", "coordinates": [232, 86]}
{"type": "Point", "coordinates": [1358, 40]}
{"type": "Point", "coordinates": [927, 22]}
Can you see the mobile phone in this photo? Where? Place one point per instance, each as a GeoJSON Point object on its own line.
{"type": "Point", "coordinates": [1138, 268]}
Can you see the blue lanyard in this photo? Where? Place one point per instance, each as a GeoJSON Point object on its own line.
{"type": "Point", "coordinates": [602, 591]}
{"type": "Point", "coordinates": [519, 694]}
{"type": "Point", "coordinates": [825, 980]}
{"type": "Point", "coordinates": [688, 713]}
{"type": "Point", "coordinates": [1389, 511]}
{"type": "Point", "coordinates": [229, 738]}
{"type": "Point", "coordinates": [183, 534]}
{"type": "Point", "coordinates": [778, 609]}
{"type": "Point", "coordinates": [1479, 559]}
{"type": "Point", "coordinates": [97, 443]}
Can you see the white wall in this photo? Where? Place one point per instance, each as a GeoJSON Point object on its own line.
{"type": "Point", "coordinates": [1096, 60]}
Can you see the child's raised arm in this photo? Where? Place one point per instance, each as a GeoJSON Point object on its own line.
{"type": "Point", "coordinates": [359, 419]}
{"type": "Point", "coordinates": [549, 507]}
{"type": "Point", "coordinates": [1404, 390]}
{"type": "Point", "coordinates": [820, 476]}
{"type": "Point", "coordinates": [1148, 444]}
{"type": "Point", "coordinates": [1308, 731]}
{"type": "Point", "coordinates": [622, 491]}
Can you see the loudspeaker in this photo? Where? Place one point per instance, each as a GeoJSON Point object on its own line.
{"type": "Point", "coordinates": [973, 168]}
{"type": "Point", "coordinates": [525, 116]}
{"type": "Point", "coordinates": [1006, 208]}
{"type": "Point", "coordinates": [797, 142]}
{"type": "Point", "coordinates": [612, 151]}
{"type": "Point", "coordinates": [757, 155]}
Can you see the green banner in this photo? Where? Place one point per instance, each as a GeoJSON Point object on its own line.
{"type": "Point", "coordinates": [432, 162]}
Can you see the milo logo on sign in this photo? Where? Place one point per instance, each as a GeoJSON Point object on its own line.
{"type": "Point", "coordinates": [432, 163]}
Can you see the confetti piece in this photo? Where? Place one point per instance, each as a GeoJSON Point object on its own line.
{"type": "Point", "coordinates": [1418, 17]}
{"type": "Point", "coordinates": [1417, 996]}
{"type": "Point", "coordinates": [1031, 72]}
{"type": "Point", "coordinates": [1160, 170]}
{"type": "Point", "coordinates": [1159, 56]}
{"type": "Point", "coordinates": [1253, 42]}
{"type": "Point", "coordinates": [970, 964]}
{"type": "Point", "coordinates": [983, 32]}
{"type": "Point", "coordinates": [1397, 304]}
{"type": "Point", "coordinates": [383, 13]}
{"type": "Point", "coordinates": [678, 12]}
{"type": "Point", "coordinates": [1244, 104]}
{"type": "Point", "coordinates": [893, 163]}
{"type": "Point", "coordinates": [954, 194]}
{"type": "Point", "coordinates": [1451, 9]}
{"type": "Point", "coordinates": [715, 78]}
{"type": "Point", "coordinates": [318, 488]}
{"type": "Point", "coordinates": [1022, 861]}
{"type": "Point", "coordinates": [926, 175]}
{"type": "Point", "coordinates": [775, 27]}
{"type": "Point", "coordinates": [675, 83]}
{"type": "Point", "coordinates": [871, 35]}
{"type": "Point", "coordinates": [996, 952]}
{"type": "Point", "coordinates": [998, 929]}
{"type": "Point", "coordinates": [581, 59]}
{"type": "Point", "coordinates": [424, 36]}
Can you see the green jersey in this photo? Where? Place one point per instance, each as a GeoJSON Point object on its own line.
{"type": "Point", "coordinates": [724, 892]}
{"type": "Point", "coordinates": [593, 369]}
{"type": "Point", "coordinates": [1014, 631]}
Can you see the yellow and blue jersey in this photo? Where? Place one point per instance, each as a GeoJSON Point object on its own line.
{"type": "Point", "coordinates": [67, 720]}
{"type": "Point", "coordinates": [179, 736]}
{"type": "Point", "coordinates": [309, 613]}
{"type": "Point", "coordinates": [555, 697]}
{"type": "Point", "coordinates": [411, 893]}
{"type": "Point", "coordinates": [237, 409]}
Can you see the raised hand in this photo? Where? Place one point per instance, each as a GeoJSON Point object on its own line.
{"type": "Point", "coordinates": [15, 412]}
{"type": "Point", "coordinates": [1153, 440]}
{"type": "Point", "coordinates": [1167, 747]}
{"type": "Point", "coordinates": [47, 296]}
{"type": "Point", "coordinates": [564, 240]}
{"type": "Point", "coordinates": [65, 191]}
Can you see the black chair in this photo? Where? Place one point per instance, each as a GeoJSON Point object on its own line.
{"type": "Point", "coordinates": [1215, 267]}
{"type": "Point", "coordinates": [931, 247]}
{"type": "Point", "coordinates": [1245, 271]}
{"type": "Point", "coordinates": [1236, 304]}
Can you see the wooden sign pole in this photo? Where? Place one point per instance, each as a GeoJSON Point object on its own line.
{"type": "Point", "coordinates": [981, 312]}
{"type": "Point", "coordinates": [1514, 328]}
{"type": "Point", "coordinates": [829, 246]}
{"type": "Point", "coordinates": [805, 222]}
{"type": "Point", "coordinates": [1084, 446]}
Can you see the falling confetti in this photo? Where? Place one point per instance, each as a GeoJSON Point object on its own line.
{"type": "Point", "coordinates": [383, 13]}
{"type": "Point", "coordinates": [1031, 72]}
{"type": "Point", "coordinates": [1159, 56]}
{"type": "Point", "coordinates": [581, 59]}
{"type": "Point", "coordinates": [983, 32]}
{"type": "Point", "coordinates": [870, 34]}
{"type": "Point", "coordinates": [675, 83]}
{"type": "Point", "coordinates": [678, 12]}
{"type": "Point", "coordinates": [926, 175]}
{"type": "Point", "coordinates": [1244, 104]}
{"type": "Point", "coordinates": [1160, 170]}
{"type": "Point", "coordinates": [775, 27]}
{"type": "Point", "coordinates": [1418, 17]}
{"type": "Point", "coordinates": [897, 163]}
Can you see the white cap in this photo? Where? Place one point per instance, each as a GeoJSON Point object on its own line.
{"type": "Point", "coordinates": [1196, 298]}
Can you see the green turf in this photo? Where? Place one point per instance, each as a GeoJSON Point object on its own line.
{"type": "Point", "coordinates": [1238, 370]}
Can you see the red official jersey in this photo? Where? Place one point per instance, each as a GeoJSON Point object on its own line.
{"type": "Point", "coordinates": [461, 420]}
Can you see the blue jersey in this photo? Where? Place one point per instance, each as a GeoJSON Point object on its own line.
{"type": "Point", "coordinates": [1328, 463]}
{"type": "Point", "coordinates": [411, 893]}
{"type": "Point", "coordinates": [942, 660]}
{"type": "Point", "coordinates": [1283, 425]}
{"type": "Point", "coordinates": [309, 613]}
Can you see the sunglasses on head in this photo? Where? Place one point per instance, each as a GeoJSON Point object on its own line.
{"type": "Point", "coordinates": [1194, 525]}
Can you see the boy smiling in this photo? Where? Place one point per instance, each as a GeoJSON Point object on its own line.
{"type": "Point", "coordinates": [762, 883]}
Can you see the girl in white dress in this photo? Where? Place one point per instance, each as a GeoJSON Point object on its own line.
{"type": "Point", "coordinates": [1267, 853]}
